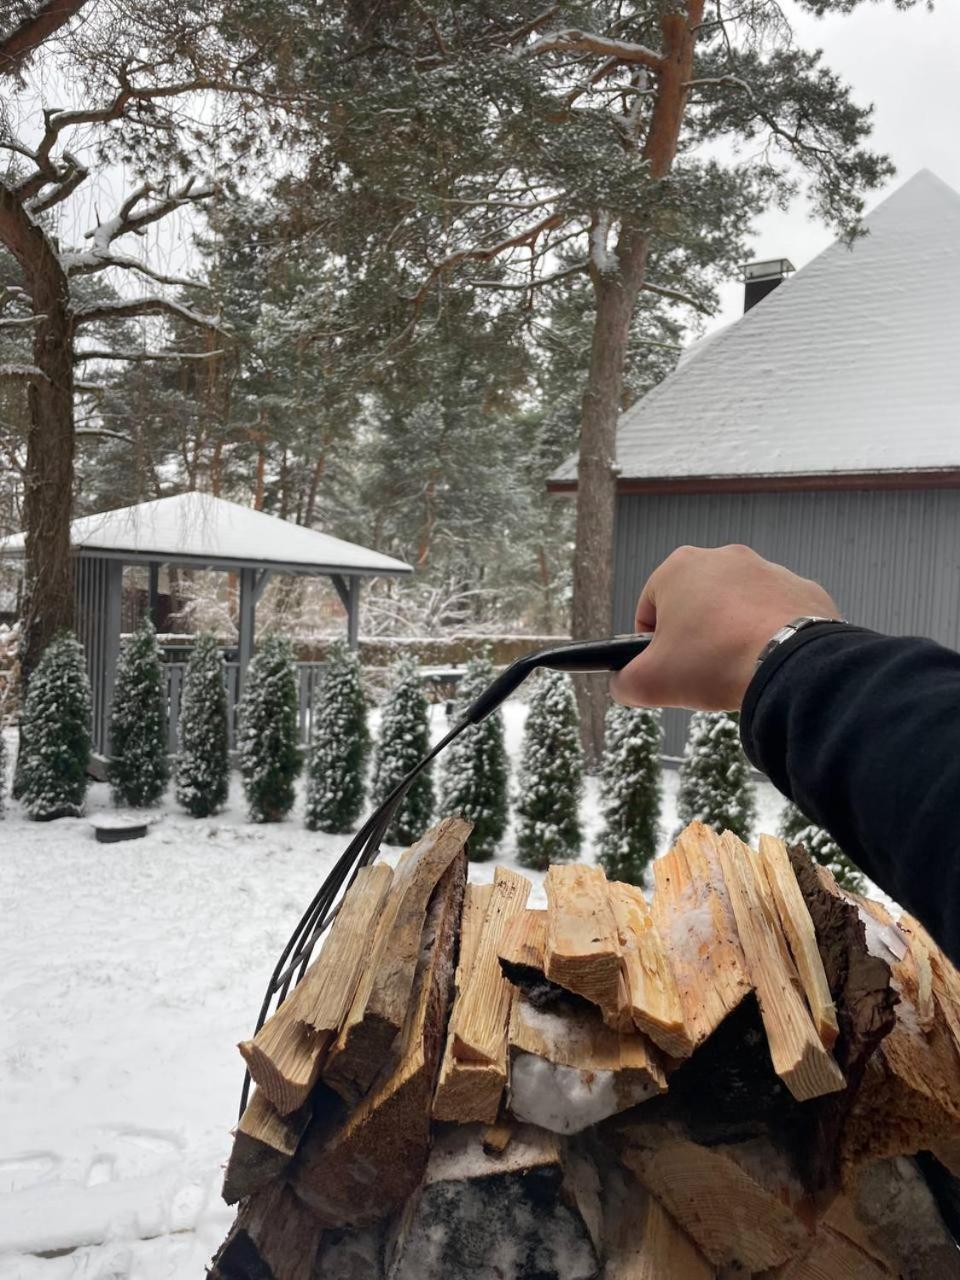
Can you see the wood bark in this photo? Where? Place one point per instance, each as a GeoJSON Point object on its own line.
{"type": "Point", "coordinates": [616, 289]}
{"type": "Point", "coordinates": [30, 33]}
{"type": "Point", "coordinates": [48, 479]}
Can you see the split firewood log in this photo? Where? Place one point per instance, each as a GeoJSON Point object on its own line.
{"type": "Point", "coordinates": [380, 1004]}
{"type": "Point", "coordinates": [569, 1070]}
{"type": "Point", "coordinates": [695, 920]}
{"type": "Point", "coordinates": [264, 1143]}
{"type": "Point", "coordinates": [506, 1215]}
{"type": "Point", "coordinates": [275, 1237]}
{"type": "Point", "coordinates": [642, 1241]}
{"type": "Point", "coordinates": [376, 1158]}
{"type": "Point", "coordinates": [287, 1053]}
{"type": "Point", "coordinates": [582, 951]}
{"type": "Point", "coordinates": [741, 1203]}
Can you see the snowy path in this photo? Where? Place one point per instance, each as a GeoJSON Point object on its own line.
{"type": "Point", "coordinates": [128, 972]}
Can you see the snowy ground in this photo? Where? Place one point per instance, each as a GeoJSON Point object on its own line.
{"type": "Point", "coordinates": [128, 972]}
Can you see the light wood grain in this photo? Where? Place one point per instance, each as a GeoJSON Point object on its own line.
{"type": "Point", "coordinates": [380, 1004]}
{"type": "Point", "coordinates": [800, 934]}
{"type": "Point", "coordinates": [582, 951]}
{"type": "Point", "coordinates": [652, 999]}
{"type": "Point", "coordinates": [263, 1145]}
{"type": "Point", "coordinates": [796, 1050]}
{"type": "Point", "coordinates": [469, 1091]}
{"type": "Point", "coordinates": [694, 917]}
{"type": "Point", "coordinates": [287, 1054]}
{"type": "Point", "coordinates": [524, 940]}
{"type": "Point", "coordinates": [645, 1243]}
{"type": "Point", "coordinates": [479, 1022]}
{"type": "Point", "coordinates": [376, 1158]}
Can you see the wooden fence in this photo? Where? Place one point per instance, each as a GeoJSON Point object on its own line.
{"type": "Point", "coordinates": [308, 674]}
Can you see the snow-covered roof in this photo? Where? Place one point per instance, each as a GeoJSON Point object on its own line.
{"type": "Point", "coordinates": [850, 366]}
{"type": "Point", "coordinates": [200, 529]}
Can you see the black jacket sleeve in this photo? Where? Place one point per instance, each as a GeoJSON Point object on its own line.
{"type": "Point", "coordinates": [862, 731]}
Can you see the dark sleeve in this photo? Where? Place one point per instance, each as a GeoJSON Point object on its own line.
{"type": "Point", "coordinates": [862, 731]}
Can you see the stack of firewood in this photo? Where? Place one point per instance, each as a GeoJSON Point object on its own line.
{"type": "Point", "coordinates": [754, 1073]}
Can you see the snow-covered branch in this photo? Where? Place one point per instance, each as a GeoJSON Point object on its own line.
{"type": "Point", "coordinates": [135, 308]}
{"type": "Point", "coordinates": [22, 373]}
{"type": "Point", "coordinates": [485, 253]}
{"type": "Point", "coordinates": [573, 41]}
{"type": "Point", "coordinates": [20, 322]}
{"type": "Point", "coordinates": [675, 295]}
{"type": "Point", "coordinates": [103, 432]}
{"type": "Point", "coordinates": [140, 357]}
{"type": "Point", "coordinates": [537, 282]}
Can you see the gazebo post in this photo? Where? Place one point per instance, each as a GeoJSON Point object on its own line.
{"type": "Point", "coordinates": [252, 586]}
{"type": "Point", "coordinates": [348, 589]}
{"type": "Point", "coordinates": [153, 592]}
{"type": "Point", "coordinates": [111, 641]}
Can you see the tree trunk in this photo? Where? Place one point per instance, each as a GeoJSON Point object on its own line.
{"type": "Point", "coordinates": [616, 292]}
{"type": "Point", "coordinates": [48, 480]}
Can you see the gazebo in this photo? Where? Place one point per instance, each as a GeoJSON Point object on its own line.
{"type": "Point", "coordinates": [199, 531]}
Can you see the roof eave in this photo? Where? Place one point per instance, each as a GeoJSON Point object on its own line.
{"type": "Point", "coordinates": [225, 563]}
{"type": "Point", "coordinates": [919, 478]}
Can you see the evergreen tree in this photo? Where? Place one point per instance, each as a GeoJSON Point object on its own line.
{"type": "Point", "coordinates": [339, 745]}
{"type": "Point", "coordinates": [796, 828]}
{"type": "Point", "coordinates": [55, 733]}
{"type": "Point", "coordinates": [267, 736]}
{"type": "Point", "coordinates": [630, 792]}
{"type": "Point", "coordinates": [139, 769]}
{"type": "Point", "coordinates": [715, 784]}
{"type": "Point", "coordinates": [203, 763]}
{"type": "Point", "coordinates": [551, 776]}
{"type": "Point", "coordinates": [404, 739]}
{"type": "Point", "coordinates": [476, 770]}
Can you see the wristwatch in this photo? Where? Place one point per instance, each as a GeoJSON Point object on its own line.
{"type": "Point", "coordinates": [790, 629]}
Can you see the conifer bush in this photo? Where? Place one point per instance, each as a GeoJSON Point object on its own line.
{"type": "Point", "coordinates": [796, 828]}
{"type": "Point", "coordinates": [267, 744]}
{"type": "Point", "coordinates": [631, 792]}
{"type": "Point", "coordinates": [203, 760]}
{"type": "Point", "coordinates": [139, 769]}
{"type": "Point", "coordinates": [551, 776]}
{"type": "Point", "coordinates": [715, 783]}
{"type": "Point", "coordinates": [476, 769]}
{"type": "Point", "coordinates": [404, 740]}
{"type": "Point", "coordinates": [55, 733]}
{"type": "Point", "coordinates": [339, 745]}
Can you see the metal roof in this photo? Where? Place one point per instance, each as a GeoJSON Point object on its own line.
{"type": "Point", "coordinates": [196, 528]}
{"type": "Point", "coordinates": [851, 366]}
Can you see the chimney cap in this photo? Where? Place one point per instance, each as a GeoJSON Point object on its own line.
{"type": "Point", "coordinates": [770, 269]}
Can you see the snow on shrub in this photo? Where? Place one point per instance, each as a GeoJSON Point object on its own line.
{"type": "Point", "coordinates": [267, 734]}
{"type": "Point", "coordinates": [715, 783]}
{"type": "Point", "coordinates": [631, 792]}
{"type": "Point", "coordinates": [796, 828]}
{"type": "Point", "coordinates": [203, 762]}
{"type": "Point", "coordinates": [339, 745]}
{"type": "Point", "coordinates": [139, 769]}
{"type": "Point", "coordinates": [476, 769]}
{"type": "Point", "coordinates": [404, 739]}
{"type": "Point", "coordinates": [55, 733]}
{"type": "Point", "coordinates": [551, 776]}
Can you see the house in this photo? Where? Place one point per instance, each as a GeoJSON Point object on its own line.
{"type": "Point", "coordinates": [821, 428]}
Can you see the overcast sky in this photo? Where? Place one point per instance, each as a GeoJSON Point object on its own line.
{"type": "Point", "coordinates": [907, 65]}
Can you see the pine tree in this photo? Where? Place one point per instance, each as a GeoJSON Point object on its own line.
{"type": "Point", "coordinates": [267, 736]}
{"type": "Point", "coordinates": [404, 740]}
{"type": "Point", "coordinates": [139, 769]}
{"type": "Point", "coordinates": [476, 770]}
{"type": "Point", "coordinates": [55, 737]}
{"type": "Point", "coordinates": [630, 792]}
{"type": "Point", "coordinates": [551, 776]}
{"type": "Point", "coordinates": [203, 763]}
{"type": "Point", "coordinates": [339, 745]}
{"type": "Point", "coordinates": [796, 828]}
{"type": "Point", "coordinates": [715, 783]}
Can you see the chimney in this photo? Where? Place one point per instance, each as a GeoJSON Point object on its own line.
{"type": "Point", "coordinates": [761, 278]}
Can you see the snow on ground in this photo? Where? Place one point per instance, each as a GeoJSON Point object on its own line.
{"type": "Point", "coordinates": [128, 972]}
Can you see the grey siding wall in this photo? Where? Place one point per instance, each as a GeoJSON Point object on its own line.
{"type": "Point", "coordinates": [890, 559]}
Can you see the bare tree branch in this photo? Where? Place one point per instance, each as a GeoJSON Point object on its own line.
{"type": "Point", "coordinates": [675, 295]}
{"type": "Point", "coordinates": [20, 322]}
{"type": "Point", "coordinates": [104, 431]}
{"type": "Point", "coordinates": [521, 286]}
{"type": "Point", "coordinates": [485, 253]}
{"type": "Point", "coordinates": [17, 47]}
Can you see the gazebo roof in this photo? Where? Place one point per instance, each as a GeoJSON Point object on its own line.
{"type": "Point", "coordinates": [196, 528]}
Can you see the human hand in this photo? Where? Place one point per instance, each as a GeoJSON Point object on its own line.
{"type": "Point", "coordinates": [711, 612]}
